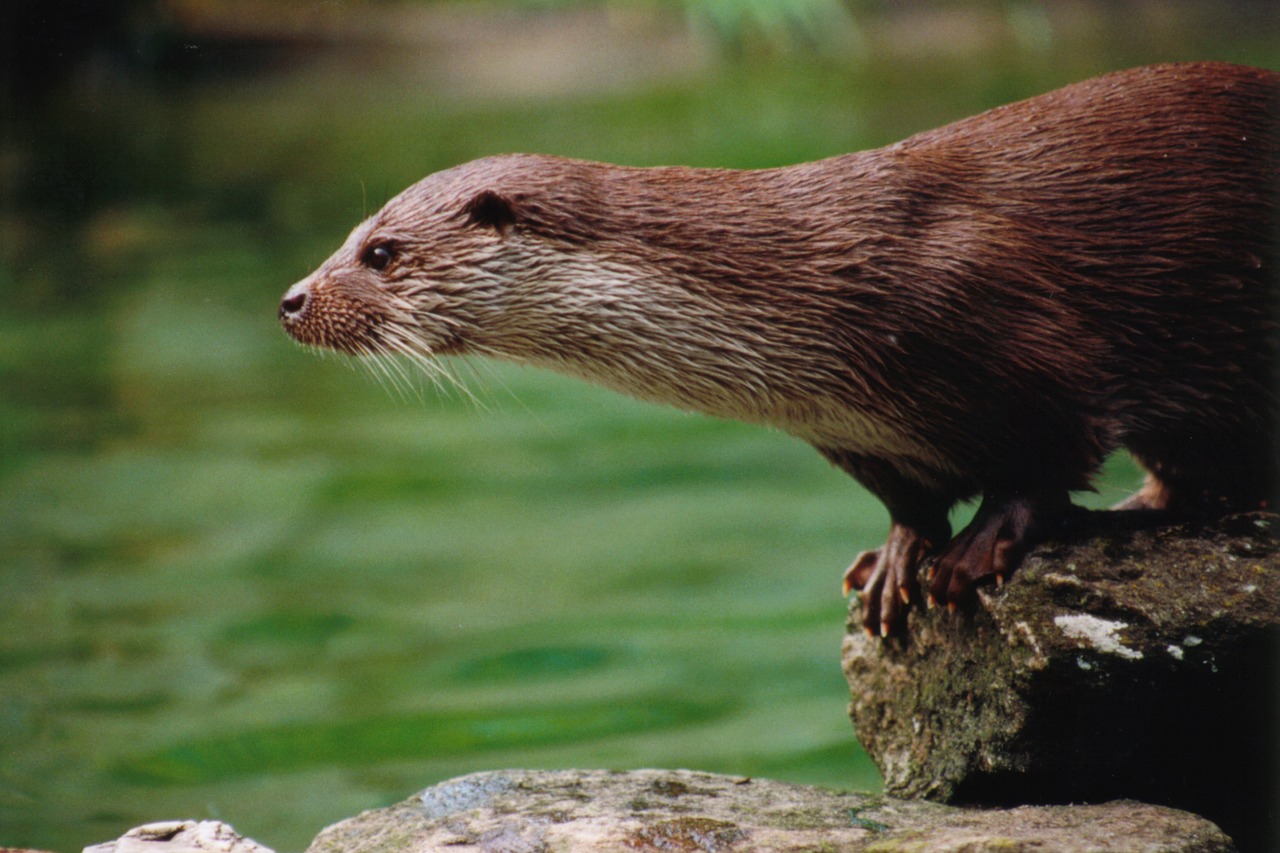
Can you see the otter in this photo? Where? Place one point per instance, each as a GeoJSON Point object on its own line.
{"type": "Point", "coordinates": [982, 310]}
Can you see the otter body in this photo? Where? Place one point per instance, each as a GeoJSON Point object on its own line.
{"type": "Point", "coordinates": [984, 309]}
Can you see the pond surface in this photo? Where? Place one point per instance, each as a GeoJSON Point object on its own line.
{"type": "Point", "coordinates": [241, 581]}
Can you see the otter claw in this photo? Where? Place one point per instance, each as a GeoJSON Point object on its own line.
{"type": "Point", "coordinates": [886, 579]}
{"type": "Point", "coordinates": [860, 571]}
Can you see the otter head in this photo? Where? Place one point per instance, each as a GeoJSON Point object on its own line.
{"type": "Point", "coordinates": [429, 274]}
{"type": "Point", "coordinates": [534, 259]}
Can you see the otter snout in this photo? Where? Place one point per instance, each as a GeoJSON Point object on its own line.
{"type": "Point", "coordinates": [320, 312]}
{"type": "Point", "coordinates": [294, 302]}
{"type": "Point", "coordinates": [302, 314]}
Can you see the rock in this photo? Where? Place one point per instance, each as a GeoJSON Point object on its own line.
{"type": "Point", "coordinates": [181, 836]}
{"type": "Point", "coordinates": [1119, 662]}
{"type": "Point", "coordinates": [679, 810]}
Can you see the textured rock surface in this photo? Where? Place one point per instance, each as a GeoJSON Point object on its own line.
{"type": "Point", "coordinates": [181, 836]}
{"type": "Point", "coordinates": [661, 810]}
{"type": "Point", "coordinates": [1118, 662]}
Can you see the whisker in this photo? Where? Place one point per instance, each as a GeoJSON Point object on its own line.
{"type": "Point", "coordinates": [425, 370]}
{"type": "Point", "coordinates": [398, 346]}
{"type": "Point", "coordinates": [463, 370]}
{"type": "Point", "coordinates": [388, 365]}
{"type": "Point", "coordinates": [412, 380]}
{"type": "Point", "coordinates": [448, 369]}
{"type": "Point", "coordinates": [377, 367]}
{"type": "Point", "coordinates": [486, 375]}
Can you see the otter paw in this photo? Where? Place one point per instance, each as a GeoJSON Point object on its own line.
{"type": "Point", "coordinates": [885, 580]}
{"type": "Point", "coordinates": [989, 549]}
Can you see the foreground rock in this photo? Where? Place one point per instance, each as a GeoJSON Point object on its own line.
{"type": "Point", "coordinates": [180, 836]}
{"type": "Point", "coordinates": [660, 810]}
{"type": "Point", "coordinates": [1123, 663]}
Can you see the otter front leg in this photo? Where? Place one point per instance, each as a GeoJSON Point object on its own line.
{"type": "Point", "coordinates": [994, 543]}
{"type": "Point", "coordinates": [886, 578]}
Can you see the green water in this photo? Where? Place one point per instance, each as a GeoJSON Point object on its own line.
{"type": "Point", "coordinates": [241, 581]}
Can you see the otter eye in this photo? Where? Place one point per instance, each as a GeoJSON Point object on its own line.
{"type": "Point", "coordinates": [377, 256]}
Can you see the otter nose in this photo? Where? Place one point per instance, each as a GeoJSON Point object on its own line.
{"type": "Point", "coordinates": [294, 301]}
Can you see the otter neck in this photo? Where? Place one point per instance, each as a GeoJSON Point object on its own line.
{"type": "Point", "coordinates": [722, 348]}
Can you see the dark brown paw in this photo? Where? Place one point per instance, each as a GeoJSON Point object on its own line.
{"type": "Point", "coordinates": [885, 580]}
{"type": "Point", "coordinates": [991, 547]}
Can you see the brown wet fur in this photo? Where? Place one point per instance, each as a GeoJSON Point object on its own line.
{"type": "Point", "coordinates": [988, 308]}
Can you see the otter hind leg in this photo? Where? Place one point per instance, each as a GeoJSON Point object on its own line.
{"type": "Point", "coordinates": [1155, 494]}
{"type": "Point", "coordinates": [1223, 474]}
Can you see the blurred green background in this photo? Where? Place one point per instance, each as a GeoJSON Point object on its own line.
{"type": "Point", "coordinates": [244, 582]}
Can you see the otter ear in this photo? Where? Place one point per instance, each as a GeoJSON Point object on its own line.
{"type": "Point", "coordinates": [491, 210]}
